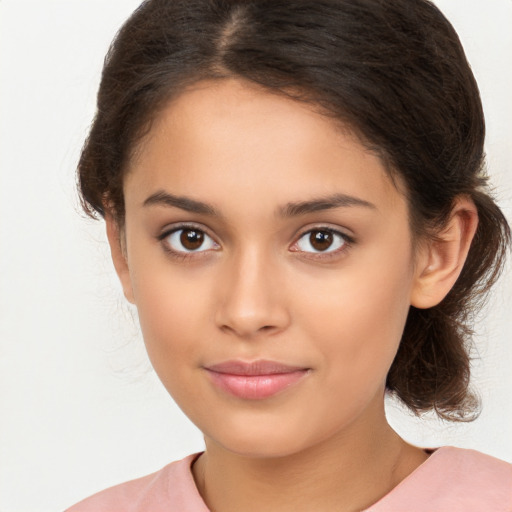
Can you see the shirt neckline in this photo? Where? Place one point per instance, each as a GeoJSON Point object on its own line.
{"type": "Point", "coordinates": [434, 455]}
{"type": "Point", "coordinates": [409, 480]}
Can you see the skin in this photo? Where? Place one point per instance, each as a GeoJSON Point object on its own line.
{"type": "Point", "coordinates": [256, 290]}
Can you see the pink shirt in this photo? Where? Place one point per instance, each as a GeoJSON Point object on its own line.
{"type": "Point", "coordinates": [450, 480]}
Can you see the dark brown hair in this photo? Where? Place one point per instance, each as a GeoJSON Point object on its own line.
{"type": "Point", "coordinates": [394, 71]}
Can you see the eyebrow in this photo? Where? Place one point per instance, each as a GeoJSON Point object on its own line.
{"type": "Point", "coordinates": [323, 203]}
{"type": "Point", "coordinates": [162, 198]}
{"type": "Point", "coordinates": [292, 209]}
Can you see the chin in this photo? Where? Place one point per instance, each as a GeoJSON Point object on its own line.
{"type": "Point", "coordinates": [266, 447]}
{"type": "Point", "coordinates": [260, 439]}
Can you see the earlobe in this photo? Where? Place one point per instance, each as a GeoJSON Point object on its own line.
{"type": "Point", "coordinates": [119, 258]}
{"type": "Point", "coordinates": [440, 260]}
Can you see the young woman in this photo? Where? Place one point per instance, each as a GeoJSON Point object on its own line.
{"type": "Point", "coordinates": [295, 200]}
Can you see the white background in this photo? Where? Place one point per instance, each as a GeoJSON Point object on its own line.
{"type": "Point", "coordinates": [79, 407]}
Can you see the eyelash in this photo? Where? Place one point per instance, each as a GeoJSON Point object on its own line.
{"type": "Point", "coordinates": [346, 240]}
{"type": "Point", "coordinates": [182, 255]}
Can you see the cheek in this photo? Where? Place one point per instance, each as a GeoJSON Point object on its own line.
{"type": "Point", "coordinates": [169, 310]}
{"type": "Point", "coordinates": [358, 315]}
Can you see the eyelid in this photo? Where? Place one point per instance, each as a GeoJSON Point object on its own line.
{"type": "Point", "coordinates": [167, 231]}
{"type": "Point", "coordinates": [171, 228]}
{"type": "Point", "coordinates": [349, 240]}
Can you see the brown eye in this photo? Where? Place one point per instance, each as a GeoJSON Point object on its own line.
{"type": "Point", "coordinates": [191, 239]}
{"type": "Point", "coordinates": [188, 240]}
{"type": "Point", "coordinates": [321, 240]}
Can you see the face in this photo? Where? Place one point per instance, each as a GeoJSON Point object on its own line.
{"type": "Point", "coordinates": [270, 259]}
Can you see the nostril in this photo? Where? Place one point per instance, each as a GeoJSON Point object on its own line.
{"type": "Point", "coordinates": [252, 327]}
{"type": "Point", "coordinates": [248, 305]}
{"type": "Point", "coordinates": [264, 328]}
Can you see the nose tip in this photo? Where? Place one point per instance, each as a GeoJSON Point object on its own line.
{"type": "Point", "coordinates": [252, 303]}
{"type": "Point", "coordinates": [248, 325]}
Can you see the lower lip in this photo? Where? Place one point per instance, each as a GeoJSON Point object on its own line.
{"type": "Point", "coordinates": [256, 387]}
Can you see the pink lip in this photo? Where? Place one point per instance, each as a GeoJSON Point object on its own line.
{"type": "Point", "coordinates": [256, 380]}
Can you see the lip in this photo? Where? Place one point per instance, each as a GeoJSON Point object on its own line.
{"type": "Point", "coordinates": [255, 380]}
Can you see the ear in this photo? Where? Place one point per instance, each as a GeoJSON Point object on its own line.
{"type": "Point", "coordinates": [119, 258]}
{"type": "Point", "coordinates": [440, 260]}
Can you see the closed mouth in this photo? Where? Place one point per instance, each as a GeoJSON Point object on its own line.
{"type": "Point", "coordinates": [255, 380]}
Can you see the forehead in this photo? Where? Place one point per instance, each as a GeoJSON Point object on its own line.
{"type": "Point", "coordinates": [226, 139]}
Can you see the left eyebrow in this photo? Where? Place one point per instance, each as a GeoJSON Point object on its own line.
{"type": "Point", "coordinates": [323, 203]}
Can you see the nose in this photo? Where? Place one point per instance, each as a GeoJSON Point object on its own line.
{"type": "Point", "coordinates": [252, 298]}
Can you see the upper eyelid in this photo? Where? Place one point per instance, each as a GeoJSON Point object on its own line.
{"type": "Point", "coordinates": [325, 227]}
{"type": "Point", "coordinates": [169, 229]}
{"type": "Point", "coordinates": [348, 240]}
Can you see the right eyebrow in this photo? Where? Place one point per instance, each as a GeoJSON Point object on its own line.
{"type": "Point", "coordinates": [162, 198]}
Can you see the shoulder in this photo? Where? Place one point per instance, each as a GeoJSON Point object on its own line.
{"type": "Point", "coordinates": [170, 489]}
{"type": "Point", "coordinates": [470, 467]}
{"type": "Point", "coordinates": [453, 480]}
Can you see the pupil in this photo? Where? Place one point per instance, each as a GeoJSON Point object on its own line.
{"type": "Point", "coordinates": [191, 239]}
{"type": "Point", "coordinates": [321, 240]}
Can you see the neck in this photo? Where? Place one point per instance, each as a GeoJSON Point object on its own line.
{"type": "Point", "coordinates": [347, 472]}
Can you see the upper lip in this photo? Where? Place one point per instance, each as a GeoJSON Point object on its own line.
{"type": "Point", "coordinates": [259, 367]}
